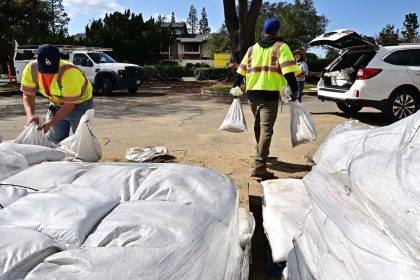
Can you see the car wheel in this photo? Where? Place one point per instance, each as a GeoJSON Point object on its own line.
{"type": "Point", "coordinates": [402, 103]}
{"type": "Point", "coordinates": [133, 89]}
{"type": "Point", "coordinates": [349, 109]}
{"type": "Point", "coordinates": [106, 86]}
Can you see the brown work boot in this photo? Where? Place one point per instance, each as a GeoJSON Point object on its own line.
{"type": "Point", "coordinates": [262, 173]}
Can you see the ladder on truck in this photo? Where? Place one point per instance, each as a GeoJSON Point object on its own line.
{"type": "Point", "coordinates": [26, 53]}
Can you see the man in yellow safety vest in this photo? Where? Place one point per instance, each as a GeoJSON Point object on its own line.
{"type": "Point", "coordinates": [268, 67]}
{"type": "Point", "coordinates": [68, 89]}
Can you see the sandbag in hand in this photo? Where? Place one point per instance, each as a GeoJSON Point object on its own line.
{"type": "Point", "coordinates": [236, 91]}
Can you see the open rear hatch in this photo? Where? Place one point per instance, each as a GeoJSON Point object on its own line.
{"type": "Point", "coordinates": [358, 52]}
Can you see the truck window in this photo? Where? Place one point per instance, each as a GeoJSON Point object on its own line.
{"type": "Point", "coordinates": [78, 58]}
{"type": "Point", "coordinates": [101, 57]}
{"type": "Point", "coordinates": [25, 55]}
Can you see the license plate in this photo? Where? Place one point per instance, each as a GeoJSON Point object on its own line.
{"type": "Point", "coordinates": [138, 82]}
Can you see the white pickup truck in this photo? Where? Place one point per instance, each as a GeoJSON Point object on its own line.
{"type": "Point", "coordinates": [103, 71]}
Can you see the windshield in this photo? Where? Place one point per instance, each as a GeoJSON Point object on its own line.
{"type": "Point", "coordinates": [101, 57]}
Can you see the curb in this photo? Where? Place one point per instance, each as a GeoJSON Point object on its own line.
{"type": "Point", "coordinates": [214, 93]}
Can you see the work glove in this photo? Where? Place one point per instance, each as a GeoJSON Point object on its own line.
{"type": "Point", "coordinates": [236, 91]}
{"type": "Point", "coordinates": [294, 96]}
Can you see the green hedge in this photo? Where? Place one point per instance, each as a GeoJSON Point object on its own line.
{"type": "Point", "coordinates": [176, 72]}
{"type": "Point", "coordinates": [210, 73]}
{"type": "Point", "coordinates": [163, 72]}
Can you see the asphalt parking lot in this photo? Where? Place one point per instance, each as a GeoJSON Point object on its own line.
{"type": "Point", "coordinates": [179, 117]}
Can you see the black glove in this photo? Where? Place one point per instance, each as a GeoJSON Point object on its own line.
{"type": "Point", "coordinates": [294, 96]}
{"type": "Point", "coordinates": [238, 81]}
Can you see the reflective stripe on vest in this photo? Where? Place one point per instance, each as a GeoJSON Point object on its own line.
{"type": "Point", "coordinates": [275, 56]}
{"type": "Point", "coordinates": [60, 74]}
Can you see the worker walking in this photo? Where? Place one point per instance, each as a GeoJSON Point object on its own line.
{"type": "Point", "coordinates": [268, 67]}
{"type": "Point", "coordinates": [68, 89]}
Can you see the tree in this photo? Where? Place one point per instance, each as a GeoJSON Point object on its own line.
{"type": "Point", "coordinates": [173, 18]}
{"type": "Point", "coordinates": [131, 38]}
{"type": "Point", "coordinates": [219, 42]}
{"type": "Point", "coordinates": [240, 22]}
{"type": "Point", "coordinates": [331, 53]}
{"type": "Point", "coordinates": [204, 23]}
{"type": "Point", "coordinates": [58, 18]}
{"type": "Point", "coordinates": [192, 20]}
{"type": "Point", "coordinates": [299, 20]}
{"type": "Point", "coordinates": [388, 35]}
{"type": "Point", "coordinates": [411, 24]}
{"type": "Point", "coordinates": [31, 22]}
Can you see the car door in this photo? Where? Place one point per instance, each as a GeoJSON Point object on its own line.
{"type": "Point", "coordinates": [84, 63]}
{"type": "Point", "coordinates": [414, 69]}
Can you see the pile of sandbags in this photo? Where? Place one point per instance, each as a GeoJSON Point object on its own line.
{"type": "Point", "coordinates": [126, 221]}
{"type": "Point", "coordinates": [363, 216]}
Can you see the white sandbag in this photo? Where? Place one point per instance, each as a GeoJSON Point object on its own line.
{"type": "Point", "coordinates": [108, 263]}
{"type": "Point", "coordinates": [83, 144]}
{"type": "Point", "coordinates": [48, 174]}
{"type": "Point", "coordinates": [138, 154]}
{"type": "Point", "coordinates": [246, 228]}
{"type": "Point", "coordinates": [149, 224]}
{"type": "Point", "coordinates": [334, 153]}
{"type": "Point", "coordinates": [12, 193]}
{"type": "Point", "coordinates": [11, 163]}
{"type": "Point", "coordinates": [35, 154]}
{"type": "Point", "coordinates": [122, 180]}
{"type": "Point", "coordinates": [22, 250]}
{"type": "Point", "coordinates": [235, 119]}
{"type": "Point", "coordinates": [169, 182]}
{"type": "Point", "coordinates": [66, 213]}
{"type": "Point", "coordinates": [34, 136]}
{"type": "Point", "coordinates": [302, 126]}
{"type": "Point", "coordinates": [285, 203]}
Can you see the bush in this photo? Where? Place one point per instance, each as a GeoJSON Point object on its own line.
{"type": "Point", "coordinates": [168, 62]}
{"type": "Point", "coordinates": [201, 65]}
{"type": "Point", "coordinates": [188, 72]}
{"type": "Point", "coordinates": [163, 72]}
{"type": "Point", "coordinates": [189, 65]}
{"type": "Point", "coordinates": [210, 73]}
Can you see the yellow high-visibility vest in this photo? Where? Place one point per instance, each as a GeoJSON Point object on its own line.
{"type": "Point", "coordinates": [264, 67]}
{"type": "Point", "coordinates": [69, 85]}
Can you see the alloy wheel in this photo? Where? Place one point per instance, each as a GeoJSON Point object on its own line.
{"type": "Point", "coordinates": [404, 106]}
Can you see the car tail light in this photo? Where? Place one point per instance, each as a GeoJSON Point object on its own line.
{"type": "Point", "coordinates": [367, 73]}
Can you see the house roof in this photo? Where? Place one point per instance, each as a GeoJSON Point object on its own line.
{"type": "Point", "coordinates": [175, 24]}
{"type": "Point", "coordinates": [194, 38]}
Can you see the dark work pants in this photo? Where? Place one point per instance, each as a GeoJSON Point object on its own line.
{"type": "Point", "coordinates": [265, 115]}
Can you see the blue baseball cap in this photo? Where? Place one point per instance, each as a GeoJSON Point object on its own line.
{"type": "Point", "coordinates": [271, 25]}
{"type": "Point", "coordinates": [48, 58]}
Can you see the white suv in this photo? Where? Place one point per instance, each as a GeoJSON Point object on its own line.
{"type": "Point", "coordinates": [368, 75]}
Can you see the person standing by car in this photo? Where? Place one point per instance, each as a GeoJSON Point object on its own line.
{"type": "Point", "coordinates": [300, 57]}
{"type": "Point", "coordinates": [268, 67]}
{"type": "Point", "coordinates": [69, 91]}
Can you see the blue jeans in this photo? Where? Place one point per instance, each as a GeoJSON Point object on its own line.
{"type": "Point", "coordinates": [301, 85]}
{"type": "Point", "coordinates": [61, 130]}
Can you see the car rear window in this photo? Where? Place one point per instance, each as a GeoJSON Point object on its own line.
{"type": "Point", "coordinates": [401, 57]}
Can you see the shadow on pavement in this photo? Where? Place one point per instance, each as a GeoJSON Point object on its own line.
{"type": "Point", "coordinates": [371, 118]}
{"type": "Point", "coordinates": [287, 167]}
